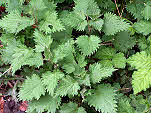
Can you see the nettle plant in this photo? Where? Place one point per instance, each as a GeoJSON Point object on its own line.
{"type": "Point", "coordinates": [69, 50]}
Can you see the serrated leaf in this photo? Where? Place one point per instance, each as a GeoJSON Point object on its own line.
{"type": "Point", "coordinates": [125, 107]}
{"type": "Point", "coordinates": [97, 24]}
{"type": "Point", "coordinates": [51, 23]}
{"type": "Point", "coordinates": [98, 72]}
{"type": "Point", "coordinates": [68, 86]}
{"type": "Point", "coordinates": [88, 8]}
{"type": "Point", "coordinates": [105, 53]}
{"type": "Point", "coordinates": [135, 8]}
{"type": "Point", "coordinates": [88, 45]}
{"type": "Point", "coordinates": [32, 88]}
{"type": "Point", "coordinates": [71, 108]}
{"type": "Point", "coordinates": [42, 41]}
{"type": "Point", "coordinates": [64, 50]}
{"type": "Point", "coordinates": [147, 12]}
{"type": "Point", "coordinates": [119, 61]}
{"type": "Point", "coordinates": [143, 27]}
{"type": "Point", "coordinates": [113, 24]}
{"type": "Point", "coordinates": [103, 99]}
{"type": "Point", "coordinates": [45, 103]}
{"type": "Point", "coordinates": [22, 55]}
{"type": "Point", "coordinates": [50, 80]}
{"type": "Point", "coordinates": [75, 20]}
{"type": "Point", "coordinates": [123, 41]}
{"type": "Point", "coordinates": [142, 77]}
{"type": "Point", "coordinates": [14, 22]}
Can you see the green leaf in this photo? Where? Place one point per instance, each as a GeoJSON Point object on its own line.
{"type": "Point", "coordinates": [71, 108]}
{"type": "Point", "coordinates": [88, 45]}
{"type": "Point", "coordinates": [68, 86]}
{"type": "Point", "coordinates": [12, 5]}
{"type": "Point", "coordinates": [125, 107]}
{"type": "Point", "coordinates": [32, 88]}
{"type": "Point", "coordinates": [123, 41]}
{"type": "Point", "coordinates": [97, 72]}
{"type": "Point", "coordinates": [135, 8]}
{"type": "Point", "coordinates": [69, 68]}
{"type": "Point", "coordinates": [105, 53]}
{"type": "Point", "coordinates": [88, 8]}
{"type": "Point", "coordinates": [75, 20]}
{"type": "Point", "coordinates": [42, 41]}
{"type": "Point", "coordinates": [142, 77]}
{"type": "Point", "coordinates": [103, 99]}
{"type": "Point", "coordinates": [64, 50]}
{"type": "Point", "coordinates": [113, 24]}
{"type": "Point", "coordinates": [14, 22]}
{"type": "Point", "coordinates": [22, 55]}
{"type": "Point", "coordinates": [97, 24]}
{"type": "Point", "coordinates": [54, 77]}
{"type": "Point", "coordinates": [143, 27]}
{"type": "Point", "coordinates": [45, 103]}
{"type": "Point", "coordinates": [119, 61]}
{"type": "Point", "coordinates": [146, 12]}
{"type": "Point", "coordinates": [140, 60]}
{"type": "Point", "coordinates": [51, 23]}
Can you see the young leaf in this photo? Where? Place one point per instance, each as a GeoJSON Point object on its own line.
{"type": "Point", "coordinates": [88, 45]}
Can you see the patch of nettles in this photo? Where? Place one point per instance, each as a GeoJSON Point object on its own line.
{"type": "Point", "coordinates": [81, 56]}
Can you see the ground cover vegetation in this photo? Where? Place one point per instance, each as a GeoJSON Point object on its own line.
{"type": "Point", "coordinates": [76, 56]}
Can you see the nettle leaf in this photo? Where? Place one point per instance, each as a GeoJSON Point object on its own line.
{"type": "Point", "coordinates": [34, 60]}
{"type": "Point", "coordinates": [64, 50]}
{"type": "Point", "coordinates": [88, 8]}
{"type": "Point", "coordinates": [42, 41]}
{"type": "Point", "coordinates": [68, 86]}
{"type": "Point", "coordinates": [97, 72]}
{"type": "Point", "coordinates": [113, 24]}
{"type": "Point", "coordinates": [32, 88]}
{"type": "Point", "coordinates": [135, 8]}
{"type": "Point", "coordinates": [146, 12]}
{"type": "Point", "coordinates": [123, 41]}
{"type": "Point", "coordinates": [71, 108]}
{"type": "Point", "coordinates": [69, 67]}
{"type": "Point", "coordinates": [103, 99]}
{"type": "Point", "coordinates": [88, 45]}
{"type": "Point", "coordinates": [142, 77]}
{"type": "Point", "coordinates": [12, 5]}
{"type": "Point", "coordinates": [105, 53]}
{"type": "Point", "coordinates": [45, 103]}
{"type": "Point", "coordinates": [143, 27]}
{"type": "Point", "coordinates": [14, 22]}
{"type": "Point", "coordinates": [119, 61]}
{"type": "Point", "coordinates": [50, 80]}
{"type": "Point", "coordinates": [75, 20]}
{"type": "Point", "coordinates": [51, 23]}
{"type": "Point", "coordinates": [124, 106]}
{"type": "Point", "coordinates": [37, 5]}
{"type": "Point", "coordinates": [97, 24]}
{"type": "Point", "coordinates": [22, 55]}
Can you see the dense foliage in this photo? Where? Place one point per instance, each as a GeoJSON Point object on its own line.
{"type": "Point", "coordinates": [78, 56]}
